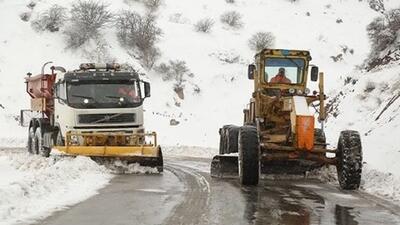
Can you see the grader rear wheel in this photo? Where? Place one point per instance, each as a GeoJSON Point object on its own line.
{"type": "Point", "coordinates": [349, 155]}
{"type": "Point", "coordinates": [248, 155]}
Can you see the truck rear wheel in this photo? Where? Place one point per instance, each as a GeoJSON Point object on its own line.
{"type": "Point", "coordinates": [349, 160]}
{"type": "Point", "coordinates": [248, 155]}
{"type": "Point", "coordinates": [43, 151]}
{"type": "Point", "coordinates": [30, 145]}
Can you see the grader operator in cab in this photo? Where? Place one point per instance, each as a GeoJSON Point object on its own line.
{"type": "Point", "coordinates": [278, 135]}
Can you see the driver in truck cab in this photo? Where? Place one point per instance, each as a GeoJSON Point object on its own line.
{"type": "Point", "coordinates": [128, 92]}
{"type": "Point", "coordinates": [280, 78]}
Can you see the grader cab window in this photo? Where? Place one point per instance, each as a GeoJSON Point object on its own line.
{"type": "Point", "coordinates": [284, 70]}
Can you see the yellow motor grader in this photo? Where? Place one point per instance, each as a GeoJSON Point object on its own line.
{"type": "Point", "coordinates": [278, 135]}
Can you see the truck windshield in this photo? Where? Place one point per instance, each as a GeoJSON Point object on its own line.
{"type": "Point", "coordinates": [104, 94]}
{"type": "Point", "coordinates": [284, 70]}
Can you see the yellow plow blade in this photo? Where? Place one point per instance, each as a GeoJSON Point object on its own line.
{"type": "Point", "coordinates": [113, 151]}
{"type": "Point", "coordinates": [144, 154]}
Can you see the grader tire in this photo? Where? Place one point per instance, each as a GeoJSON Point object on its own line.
{"type": "Point", "coordinates": [248, 155]}
{"type": "Point", "coordinates": [228, 142]}
{"type": "Point", "coordinates": [319, 136]}
{"type": "Point", "coordinates": [349, 157]}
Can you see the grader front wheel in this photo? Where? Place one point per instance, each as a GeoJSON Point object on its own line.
{"type": "Point", "coordinates": [248, 155]}
{"type": "Point", "coordinates": [349, 155]}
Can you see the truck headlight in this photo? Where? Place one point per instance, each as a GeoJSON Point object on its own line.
{"type": "Point", "coordinates": [307, 91]}
{"type": "Point", "coordinates": [74, 140]}
{"type": "Point", "coordinates": [299, 92]}
{"type": "Point", "coordinates": [292, 91]}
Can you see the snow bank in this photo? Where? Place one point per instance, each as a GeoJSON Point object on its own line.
{"type": "Point", "coordinates": [31, 187]}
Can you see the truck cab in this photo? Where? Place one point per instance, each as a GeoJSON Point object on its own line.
{"type": "Point", "coordinates": [99, 98]}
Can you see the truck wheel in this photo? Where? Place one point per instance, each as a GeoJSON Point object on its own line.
{"type": "Point", "coordinates": [59, 139]}
{"type": "Point", "coordinates": [248, 155]}
{"type": "Point", "coordinates": [43, 151]}
{"type": "Point", "coordinates": [31, 141]}
{"type": "Point", "coordinates": [349, 160]}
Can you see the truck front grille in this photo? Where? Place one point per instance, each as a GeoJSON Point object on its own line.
{"type": "Point", "coordinates": [107, 118]}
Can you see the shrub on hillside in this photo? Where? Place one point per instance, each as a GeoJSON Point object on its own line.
{"type": "Point", "coordinates": [204, 25]}
{"type": "Point", "coordinates": [51, 20]}
{"type": "Point", "coordinates": [261, 40]}
{"type": "Point", "coordinates": [87, 19]}
{"type": "Point", "coordinates": [140, 33]}
{"type": "Point", "coordinates": [384, 31]}
{"type": "Point", "coordinates": [174, 70]}
{"type": "Point", "coordinates": [152, 5]}
{"type": "Point", "coordinates": [232, 19]}
{"type": "Point", "coordinates": [230, 1]}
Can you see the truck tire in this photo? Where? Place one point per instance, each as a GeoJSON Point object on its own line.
{"type": "Point", "coordinates": [59, 141]}
{"type": "Point", "coordinates": [349, 160]}
{"type": "Point", "coordinates": [43, 151]}
{"type": "Point", "coordinates": [248, 155]}
{"type": "Point", "coordinates": [30, 145]}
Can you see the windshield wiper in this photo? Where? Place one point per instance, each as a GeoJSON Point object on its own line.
{"type": "Point", "coordinates": [87, 97]}
{"type": "Point", "coordinates": [116, 97]}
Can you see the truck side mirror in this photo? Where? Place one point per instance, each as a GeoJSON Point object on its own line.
{"type": "Point", "coordinates": [314, 73]}
{"type": "Point", "coordinates": [250, 71]}
{"type": "Point", "coordinates": [146, 89]}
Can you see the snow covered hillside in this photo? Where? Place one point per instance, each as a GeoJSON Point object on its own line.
{"type": "Point", "coordinates": [216, 59]}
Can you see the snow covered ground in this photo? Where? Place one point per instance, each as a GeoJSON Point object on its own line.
{"type": "Point", "coordinates": [32, 187]}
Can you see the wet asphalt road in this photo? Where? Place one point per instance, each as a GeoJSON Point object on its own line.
{"type": "Point", "coordinates": [186, 194]}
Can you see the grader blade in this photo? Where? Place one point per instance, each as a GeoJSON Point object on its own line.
{"type": "Point", "coordinates": [225, 166]}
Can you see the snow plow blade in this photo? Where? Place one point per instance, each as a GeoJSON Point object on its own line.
{"type": "Point", "coordinates": [145, 154]}
{"type": "Point", "coordinates": [225, 166]}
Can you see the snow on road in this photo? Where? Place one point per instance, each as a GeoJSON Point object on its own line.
{"type": "Point", "coordinates": [32, 187]}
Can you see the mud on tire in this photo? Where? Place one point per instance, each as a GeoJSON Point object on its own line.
{"type": "Point", "coordinates": [349, 156]}
{"type": "Point", "coordinates": [248, 155]}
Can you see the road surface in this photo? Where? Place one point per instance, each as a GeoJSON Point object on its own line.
{"type": "Point", "coordinates": [186, 194]}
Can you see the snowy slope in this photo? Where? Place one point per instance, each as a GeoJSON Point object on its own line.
{"type": "Point", "coordinates": [224, 87]}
